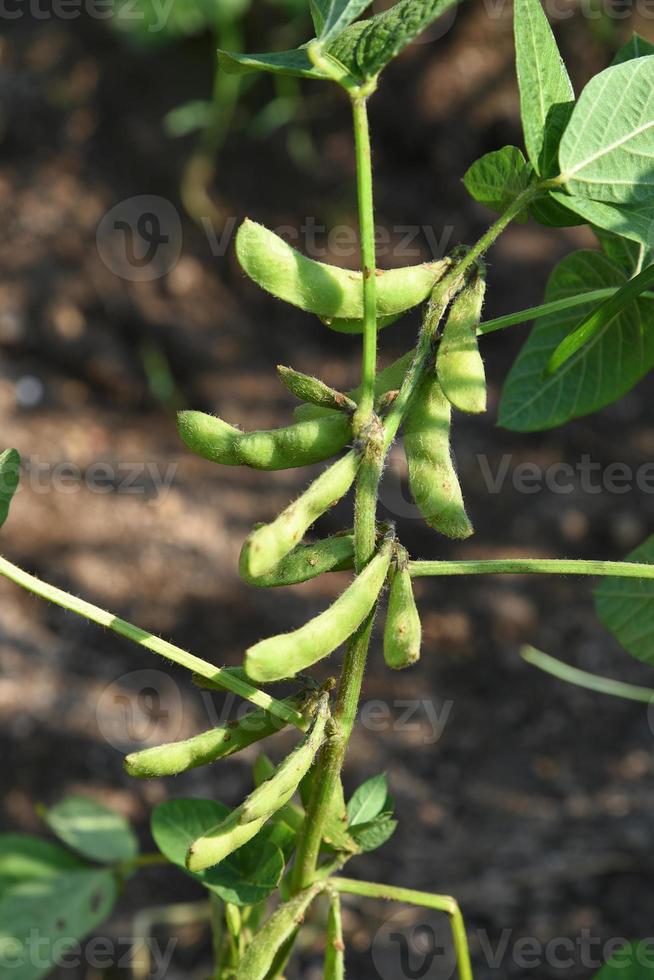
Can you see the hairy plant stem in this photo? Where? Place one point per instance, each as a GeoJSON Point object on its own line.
{"type": "Point", "coordinates": [531, 566]}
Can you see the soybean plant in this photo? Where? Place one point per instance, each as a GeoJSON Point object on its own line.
{"type": "Point", "coordinates": [588, 160]}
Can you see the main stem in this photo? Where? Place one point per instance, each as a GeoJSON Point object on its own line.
{"type": "Point", "coordinates": [368, 431]}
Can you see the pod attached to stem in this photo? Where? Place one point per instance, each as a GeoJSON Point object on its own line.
{"type": "Point", "coordinates": [459, 364]}
{"type": "Point", "coordinates": [403, 630]}
{"type": "Point", "coordinates": [308, 561]}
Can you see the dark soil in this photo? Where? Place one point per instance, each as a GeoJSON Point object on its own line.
{"type": "Point", "coordinates": [533, 805]}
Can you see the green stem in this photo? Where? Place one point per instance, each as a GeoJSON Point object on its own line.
{"type": "Point", "coordinates": [141, 861]}
{"type": "Point", "coordinates": [531, 566]}
{"type": "Point", "coordinates": [408, 896]}
{"type": "Point", "coordinates": [581, 678]}
{"type": "Point", "coordinates": [537, 312]}
{"type": "Point", "coordinates": [154, 643]}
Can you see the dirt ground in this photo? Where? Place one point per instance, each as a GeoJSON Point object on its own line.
{"type": "Point", "coordinates": [529, 800]}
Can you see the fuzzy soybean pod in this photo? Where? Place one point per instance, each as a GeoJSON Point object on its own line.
{"type": "Point", "coordinates": [387, 380]}
{"type": "Point", "coordinates": [326, 290]}
{"type": "Point", "coordinates": [259, 956]}
{"type": "Point", "coordinates": [268, 544]}
{"type": "Point", "coordinates": [403, 630]}
{"type": "Point", "coordinates": [335, 949]}
{"type": "Point", "coordinates": [459, 364]}
{"type": "Point", "coordinates": [308, 561]}
{"type": "Point", "coordinates": [302, 444]}
{"type": "Point", "coordinates": [246, 820]}
{"type": "Point", "coordinates": [290, 653]}
{"type": "Point", "coordinates": [313, 390]}
{"type": "Point", "coordinates": [218, 743]}
{"type": "Point", "coordinates": [432, 477]}
{"type": "Point", "coordinates": [276, 791]}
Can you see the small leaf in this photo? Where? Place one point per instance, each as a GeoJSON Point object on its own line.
{"type": "Point", "coordinates": [630, 963]}
{"type": "Point", "coordinates": [23, 857]}
{"type": "Point", "coordinates": [372, 835]}
{"type": "Point", "coordinates": [9, 478]}
{"type": "Point", "coordinates": [607, 151]}
{"type": "Point", "coordinates": [92, 830]}
{"type": "Point", "coordinates": [600, 319]}
{"type": "Point", "coordinates": [637, 47]}
{"type": "Point", "coordinates": [625, 607]}
{"type": "Point", "coordinates": [498, 178]}
{"type": "Point", "coordinates": [50, 914]}
{"type": "Point", "coordinates": [336, 15]}
{"type": "Point", "coordinates": [610, 366]}
{"type": "Point", "coordinates": [246, 877]}
{"type": "Point", "coordinates": [633, 221]}
{"type": "Point", "coordinates": [546, 93]}
{"type": "Point", "coordinates": [368, 801]}
{"type": "Point", "coordinates": [318, 13]}
{"type": "Point", "coordinates": [295, 63]}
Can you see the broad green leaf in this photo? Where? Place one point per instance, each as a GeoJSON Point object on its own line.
{"type": "Point", "coordinates": [368, 46]}
{"type": "Point", "coordinates": [600, 319]}
{"type": "Point", "coordinates": [23, 857]}
{"type": "Point", "coordinates": [637, 47]}
{"type": "Point", "coordinates": [553, 214]}
{"type": "Point", "coordinates": [626, 607]}
{"type": "Point", "coordinates": [9, 478]}
{"type": "Point", "coordinates": [498, 178]}
{"type": "Point", "coordinates": [546, 93]}
{"type": "Point", "coordinates": [42, 917]}
{"type": "Point", "coordinates": [625, 253]}
{"type": "Point", "coordinates": [247, 876]}
{"type": "Point", "coordinates": [633, 962]}
{"type": "Point", "coordinates": [296, 63]}
{"type": "Point", "coordinates": [633, 221]}
{"type": "Point", "coordinates": [336, 15]}
{"type": "Point", "coordinates": [372, 835]}
{"type": "Point", "coordinates": [92, 830]}
{"type": "Point", "coordinates": [369, 801]}
{"type": "Point", "coordinates": [156, 24]}
{"type": "Point", "coordinates": [607, 151]}
{"type": "Point", "coordinates": [610, 366]}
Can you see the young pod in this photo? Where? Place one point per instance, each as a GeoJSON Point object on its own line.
{"type": "Point", "coordinates": [308, 561]}
{"type": "Point", "coordinates": [335, 950]}
{"type": "Point", "coordinates": [260, 953]}
{"type": "Point", "coordinates": [327, 290]}
{"type": "Point", "coordinates": [432, 477]}
{"type": "Point", "coordinates": [314, 391]}
{"type": "Point", "coordinates": [218, 743]}
{"type": "Point", "coordinates": [290, 653]}
{"type": "Point", "coordinates": [403, 630]}
{"type": "Point", "coordinates": [232, 832]}
{"type": "Point", "coordinates": [307, 442]}
{"type": "Point", "coordinates": [291, 814]}
{"type": "Point", "coordinates": [276, 791]}
{"type": "Point", "coordinates": [268, 544]}
{"type": "Point", "coordinates": [390, 379]}
{"type": "Point", "coordinates": [459, 364]}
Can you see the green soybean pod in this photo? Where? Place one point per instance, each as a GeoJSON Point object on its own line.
{"type": "Point", "coordinates": [326, 290]}
{"type": "Point", "coordinates": [341, 325]}
{"type": "Point", "coordinates": [290, 814]}
{"type": "Point", "coordinates": [276, 791]}
{"type": "Point", "coordinates": [218, 843]}
{"type": "Point", "coordinates": [335, 949]}
{"type": "Point", "coordinates": [308, 561]}
{"type": "Point", "coordinates": [403, 630]}
{"type": "Point", "coordinates": [259, 956]}
{"type": "Point", "coordinates": [313, 390]}
{"type": "Point", "coordinates": [302, 444]}
{"type": "Point", "coordinates": [387, 380]}
{"type": "Point", "coordinates": [218, 743]}
{"type": "Point", "coordinates": [459, 364]}
{"type": "Point", "coordinates": [268, 544]}
{"type": "Point", "coordinates": [286, 655]}
{"type": "Point", "coordinates": [432, 477]}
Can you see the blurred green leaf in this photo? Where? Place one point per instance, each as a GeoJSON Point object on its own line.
{"type": "Point", "coordinates": [92, 830]}
{"type": "Point", "coordinates": [625, 607]}
{"type": "Point", "coordinates": [636, 47]}
{"type": "Point", "coordinates": [23, 857]}
{"type": "Point", "coordinates": [9, 479]}
{"type": "Point", "coordinates": [633, 962]}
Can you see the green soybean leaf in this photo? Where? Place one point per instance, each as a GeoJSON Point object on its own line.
{"type": "Point", "coordinates": [625, 607]}
{"type": "Point", "coordinates": [336, 15]}
{"type": "Point", "coordinates": [23, 858]}
{"type": "Point", "coordinates": [367, 47]}
{"type": "Point", "coordinates": [92, 830]}
{"type": "Point", "coordinates": [247, 876]}
{"type": "Point", "coordinates": [498, 178]}
{"type": "Point", "coordinates": [546, 93]}
{"type": "Point", "coordinates": [607, 151]}
{"type": "Point", "coordinates": [629, 255]}
{"type": "Point", "coordinates": [637, 47]}
{"type": "Point", "coordinates": [633, 221]}
{"type": "Point", "coordinates": [49, 914]}
{"type": "Point", "coordinates": [369, 801]}
{"type": "Point", "coordinates": [295, 63]}
{"type": "Point", "coordinates": [318, 13]}
{"type": "Point", "coordinates": [632, 962]}
{"type": "Point", "coordinates": [9, 477]}
{"type": "Point", "coordinates": [374, 834]}
{"type": "Point", "coordinates": [600, 319]}
{"type": "Point", "coordinates": [596, 376]}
